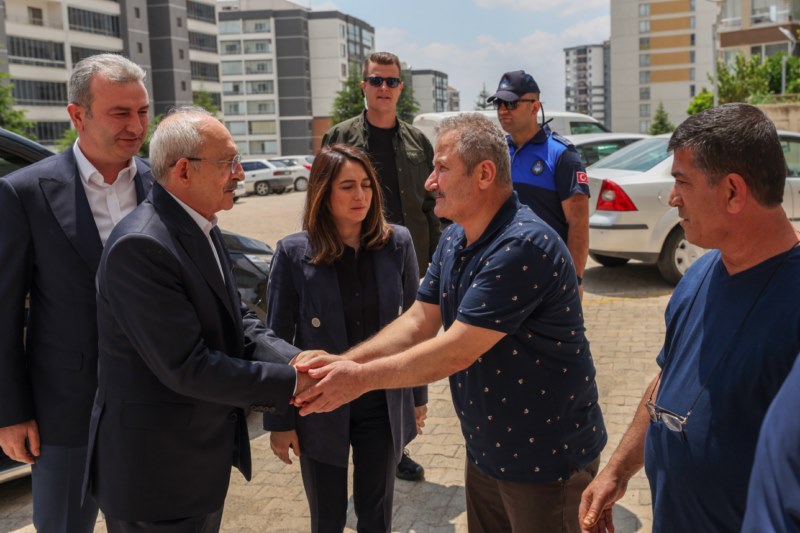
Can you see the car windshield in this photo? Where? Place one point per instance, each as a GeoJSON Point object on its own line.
{"type": "Point", "coordinates": [279, 164]}
{"type": "Point", "coordinates": [640, 156]}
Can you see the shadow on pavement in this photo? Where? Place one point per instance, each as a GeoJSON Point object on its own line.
{"type": "Point", "coordinates": [625, 521]}
{"type": "Point", "coordinates": [633, 280]}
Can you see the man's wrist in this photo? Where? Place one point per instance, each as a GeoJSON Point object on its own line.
{"type": "Point", "coordinates": [580, 280]}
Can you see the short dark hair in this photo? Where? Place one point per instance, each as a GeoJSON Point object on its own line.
{"type": "Point", "coordinates": [382, 58]}
{"type": "Point", "coordinates": [739, 139]}
{"type": "Point", "coordinates": [318, 222]}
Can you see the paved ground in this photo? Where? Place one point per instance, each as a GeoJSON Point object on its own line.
{"type": "Point", "coordinates": [624, 318]}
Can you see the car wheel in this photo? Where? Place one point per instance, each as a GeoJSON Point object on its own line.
{"type": "Point", "coordinates": [608, 261]}
{"type": "Point", "coordinates": [301, 184]}
{"type": "Point", "coordinates": [262, 188]}
{"type": "Point", "coordinates": [677, 256]}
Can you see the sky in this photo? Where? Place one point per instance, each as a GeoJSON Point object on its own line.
{"type": "Point", "coordinates": [476, 41]}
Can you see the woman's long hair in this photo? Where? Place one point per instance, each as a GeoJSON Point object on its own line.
{"type": "Point", "coordinates": [317, 219]}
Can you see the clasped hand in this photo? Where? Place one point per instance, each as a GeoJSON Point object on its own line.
{"type": "Point", "coordinates": [325, 381]}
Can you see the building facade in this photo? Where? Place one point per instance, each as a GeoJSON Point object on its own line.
{"type": "Point", "coordinates": [430, 90]}
{"type": "Point", "coordinates": [587, 84]}
{"type": "Point", "coordinates": [453, 99]}
{"type": "Point", "coordinates": [753, 28]}
{"type": "Point", "coordinates": [661, 53]}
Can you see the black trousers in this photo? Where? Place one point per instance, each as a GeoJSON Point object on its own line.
{"type": "Point", "coordinates": [374, 464]}
{"type": "Point", "coordinates": [209, 523]}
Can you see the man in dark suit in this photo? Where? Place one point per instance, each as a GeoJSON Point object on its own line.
{"type": "Point", "coordinates": [55, 217]}
{"type": "Point", "coordinates": [176, 346]}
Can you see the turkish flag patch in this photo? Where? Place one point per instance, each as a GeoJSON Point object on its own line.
{"type": "Point", "coordinates": [582, 177]}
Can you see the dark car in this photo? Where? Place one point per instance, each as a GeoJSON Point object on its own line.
{"type": "Point", "coordinates": [250, 258]}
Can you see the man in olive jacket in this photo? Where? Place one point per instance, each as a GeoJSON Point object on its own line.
{"type": "Point", "coordinates": [401, 154]}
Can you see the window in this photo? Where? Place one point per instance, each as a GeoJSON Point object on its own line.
{"type": "Point", "coordinates": [691, 39]}
{"type": "Point", "coordinates": [183, 86]}
{"type": "Point", "coordinates": [198, 11]}
{"type": "Point", "coordinates": [204, 71]}
{"type": "Point", "coordinates": [230, 26]}
{"type": "Point", "coordinates": [79, 53]}
{"type": "Point", "coordinates": [691, 22]}
{"type": "Point", "coordinates": [644, 43]}
{"type": "Point", "coordinates": [137, 13]}
{"type": "Point", "coordinates": [92, 22]}
{"type": "Point", "coordinates": [691, 56]}
{"type": "Point", "coordinates": [261, 87]}
{"type": "Point", "coordinates": [180, 53]}
{"type": "Point", "coordinates": [791, 151]}
{"type": "Point", "coordinates": [644, 76]}
{"type": "Point", "coordinates": [35, 16]}
{"type": "Point", "coordinates": [179, 22]}
{"type": "Point", "coordinates": [262, 127]}
{"type": "Point", "coordinates": [264, 147]}
{"type": "Point", "coordinates": [50, 132]}
{"type": "Point", "coordinates": [644, 126]}
{"type": "Point", "coordinates": [258, 66]}
{"type": "Point", "coordinates": [230, 68]}
{"type": "Point", "coordinates": [257, 46]}
{"type": "Point", "coordinates": [644, 26]}
{"type": "Point", "coordinates": [261, 107]}
{"type": "Point", "coordinates": [48, 93]}
{"type": "Point", "coordinates": [644, 60]}
{"type": "Point", "coordinates": [202, 41]}
{"type": "Point", "coordinates": [231, 47]}
{"type": "Point", "coordinates": [644, 93]}
{"type": "Point", "coordinates": [644, 10]}
{"type": "Point", "coordinates": [233, 108]}
{"type": "Point", "coordinates": [691, 74]}
{"type": "Point", "coordinates": [691, 91]}
{"type": "Point", "coordinates": [139, 48]}
{"type": "Point", "coordinates": [34, 52]}
{"type": "Point", "coordinates": [344, 70]}
{"type": "Point", "coordinates": [232, 87]}
{"type": "Point", "coordinates": [256, 26]}
{"type": "Point", "coordinates": [644, 110]}
{"type": "Point", "coordinates": [342, 50]}
{"type": "Point", "coordinates": [237, 127]}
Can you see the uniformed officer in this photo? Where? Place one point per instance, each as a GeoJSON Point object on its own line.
{"type": "Point", "coordinates": [546, 169]}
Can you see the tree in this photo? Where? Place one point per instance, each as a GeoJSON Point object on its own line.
{"type": "Point", "coordinates": [144, 151]}
{"type": "Point", "coordinates": [480, 103]}
{"type": "Point", "coordinates": [742, 80]}
{"type": "Point", "coordinates": [661, 123]}
{"type": "Point", "coordinates": [203, 98]}
{"type": "Point", "coordinates": [67, 139]}
{"type": "Point", "coordinates": [701, 101]}
{"type": "Point", "coordinates": [349, 102]}
{"type": "Point", "coordinates": [10, 118]}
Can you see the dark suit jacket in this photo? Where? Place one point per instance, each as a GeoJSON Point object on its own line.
{"type": "Point", "coordinates": [305, 308]}
{"type": "Point", "coordinates": [168, 420]}
{"type": "Point", "coordinates": [50, 247]}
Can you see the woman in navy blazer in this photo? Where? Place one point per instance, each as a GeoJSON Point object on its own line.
{"type": "Point", "coordinates": [340, 281]}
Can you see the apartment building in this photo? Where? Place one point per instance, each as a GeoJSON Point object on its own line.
{"type": "Point", "coordinates": [453, 99]}
{"type": "Point", "coordinates": [661, 52]}
{"type": "Point", "coordinates": [430, 90]}
{"type": "Point", "coordinates": [753, 27]}
{"type": "Point", "coordinates": [587, 80]}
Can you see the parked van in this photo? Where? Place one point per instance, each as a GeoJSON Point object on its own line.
{"type": "Point", "coordinates": [562, 122]}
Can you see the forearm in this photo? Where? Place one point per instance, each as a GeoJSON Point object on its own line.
{"type": "Point", "coordinates": [408, 329]}
{"type": "Point", "coordinates": [578, 245]}
{"type": "Point", "coordinates": [576, 212]}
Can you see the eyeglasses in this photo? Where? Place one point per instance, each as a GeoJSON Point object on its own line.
{"type": "Point", "coordinates": [234, 163]}
{"type": "Point", "coordinates": [497, 103]}
{"type": "Point", "coordinates": [672, 421]}
{"type": "Point", "coordinates": [377, 81]}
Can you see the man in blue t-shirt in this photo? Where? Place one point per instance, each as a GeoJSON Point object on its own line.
{"type": "Point", "coordinates": [503, 286]}
{"type": "Point", "coordinates": [733, 330]}
{"type": "Point", "coordinates": [773, 499]}
{"type": "Point", "coordinates": [546, 169]}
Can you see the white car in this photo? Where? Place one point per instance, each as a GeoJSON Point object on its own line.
{"type": "Point", "coordinates": [593, 147]}
{"type": "Point", "coordinates": [262, 177]}
{"type": "Point", "coordinates": [241, 190]}
{"type": "Point", "coordinates": [301, 164]}
{"type": "Point", "coordinates": [630, 216]}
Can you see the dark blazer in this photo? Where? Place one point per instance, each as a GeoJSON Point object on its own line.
{"type": "Point", "coordinates": [50, 247]}
{"type": "Point", "coordinates": [305, 308]}
{"type": "Point", "coordinates": [168, 420]}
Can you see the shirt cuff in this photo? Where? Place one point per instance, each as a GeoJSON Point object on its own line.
{"type": "Point", "coordinates": [295, 383]}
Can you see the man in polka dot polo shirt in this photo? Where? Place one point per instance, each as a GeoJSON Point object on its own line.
{"type": "Point", "coordinates": [522, 379]}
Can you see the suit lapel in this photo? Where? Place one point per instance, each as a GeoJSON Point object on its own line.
{"type": "Point", "coordinates": [323, 279]}
{"type": "Point", "coordinates": [144, 180]}
{"type": "Point", "coordinates": [385, 262]}
{"type": "Point", "coordinates": [69, 205]}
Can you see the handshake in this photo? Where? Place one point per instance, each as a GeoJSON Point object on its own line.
{"type": "Point", "coordinates": [325, 381]}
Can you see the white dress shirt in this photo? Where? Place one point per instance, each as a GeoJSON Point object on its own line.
{"type": "Point", "coordinates": [109, 202]}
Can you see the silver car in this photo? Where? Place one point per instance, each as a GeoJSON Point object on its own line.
{"type": "Point", "coordinates": [630, 216]}
{"type": "Point", "coordinates": [301, 164]}
{"type": "Point", "coordinates": [593, 147]}
{"type": "Point", "coordinates": [262, 177]}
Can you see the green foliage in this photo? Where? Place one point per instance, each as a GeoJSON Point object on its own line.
{"type": "Point", "coordinates": [144, 151]}
{"type": "Point", "coordinates": [349, 102]}
{"type": "Point", "coordinates": [701, 101]}
{"type": "Point", "coordinates": [774, 67]}
{"type": "Point", "coordinates": [202, 98]}
{"type": "Point", "coordinates": [661, 123]}
{"type": "Point", "coordinates": [480, 103]}
{"type": "Point", "coordinates": [10, 118]}
{"type": "Point", "coordinates": [744, 79]}
{"type": "Point", "coordinates": [67, 139]}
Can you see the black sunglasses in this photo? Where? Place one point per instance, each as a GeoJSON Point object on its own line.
{"type": "Point", "coordinates": [377, 81]}
{"type": "Point", "coordinates": [497, 103]}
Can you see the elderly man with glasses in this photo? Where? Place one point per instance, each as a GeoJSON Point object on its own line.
{"type": "Point", "coordinates": [732, 331]}
{"type": "Point", "coordinates": [546, 169]}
